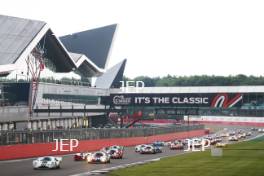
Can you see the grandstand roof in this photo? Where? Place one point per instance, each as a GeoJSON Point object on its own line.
{"type": "Point", "coordinates": [112, 77]}
{"type": "Point", "coordinates": [86, 66]}
{"type": "Point", "coordinates": [15, 35]}
{"type": "Point", "coordinates": [18, 37]}
{"type": "Point", "coordinates": [94, 44]}
{"type": "Point", "coordinates": [201, 89]}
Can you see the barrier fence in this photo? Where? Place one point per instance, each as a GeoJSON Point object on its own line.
{"type": "Point", "coordinates": [31, 137]}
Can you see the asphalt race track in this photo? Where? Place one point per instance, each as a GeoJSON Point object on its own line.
{"type": "Point", "coordinates": [78, 168]}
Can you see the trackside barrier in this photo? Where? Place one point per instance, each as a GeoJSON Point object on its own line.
{"type": "Point", "coordinates": [19, 151]}
{"type": "Point", "coordinates": [45, 136]}
{"type": "Point", "coordinates": [257, 124]}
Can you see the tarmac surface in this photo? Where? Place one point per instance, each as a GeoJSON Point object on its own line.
{"type": "Point", "coordinates": [79, 168]}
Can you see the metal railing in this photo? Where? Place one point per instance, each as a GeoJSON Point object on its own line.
{"type": "Point", "coordinates": [30, 137]}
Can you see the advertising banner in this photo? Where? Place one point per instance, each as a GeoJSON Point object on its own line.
{"type": "Point", "coordinates": [214, 100]}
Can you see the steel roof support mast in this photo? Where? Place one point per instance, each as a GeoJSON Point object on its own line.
{"type": "Point", "coordinates": [35, 62]}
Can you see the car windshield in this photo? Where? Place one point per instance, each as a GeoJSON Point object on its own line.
{"type": "Point", "coordinates": [46, 159]}
{"type": "Point", "coordinates": [98, 155]}
{"type": "Point", "coordinates": [112, 151]}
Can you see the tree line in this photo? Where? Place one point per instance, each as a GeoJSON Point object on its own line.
{"type": "Point", "coordinates": [167, 81]}
{"type": "Point", "coordinates": [203, 80]}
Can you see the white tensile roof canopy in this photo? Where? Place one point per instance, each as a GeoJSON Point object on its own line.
{"type": "Point", "coordinates": [18, 37]}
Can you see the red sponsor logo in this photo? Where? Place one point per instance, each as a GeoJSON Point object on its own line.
{"type": "Point", "coordinates": [224, 101]}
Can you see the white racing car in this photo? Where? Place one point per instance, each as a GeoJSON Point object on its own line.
{"type": "Point", "coordinates": [49, 162]}
{"type": "Point", "coordinates": [150, 149]}
{"type": "Point", "coordinates": [221, 144]}
{"type": "Point", "coordinates": [139, 147]}
{"type": "Point", "coordinates": [168, 143]}
{"type": "Point", "coordinates": [260, 130]}
{"type": "Point", "coordinates": [98, 157]}
{"type": "Point", "coordinates": [195, 142]}
{"type": "Point", "coordinates": [233, 138]}
{"type": "Point", "coordinates": [226, 134]}
{"type": "Point", "coordinates": [248, 133]}
{"type": "Point", "coordinates": [240, 136]}
{"type": "Point", "coordinates": [232, 133]}
{"type": "Point", "coordinates": [117, 147]}
{"type": "Point", "coordinates": [176, 145]}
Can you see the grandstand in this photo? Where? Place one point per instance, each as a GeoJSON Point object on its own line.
{"type": "Point", "coordinates": [30, 52]}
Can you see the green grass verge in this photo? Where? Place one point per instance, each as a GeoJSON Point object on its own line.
{"type": "Point", "coordinates": [242, 159]}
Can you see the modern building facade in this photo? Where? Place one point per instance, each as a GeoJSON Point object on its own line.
{"type": "Point", "coordinates": [29, 50]}
{"type": "Point", "coordinates": [29, 53]}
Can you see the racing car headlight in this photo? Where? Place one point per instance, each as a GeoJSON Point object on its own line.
{"type": "Point", "coordinates": [89, 158]}
{"type": "Point", "coordinates": [103, 159]}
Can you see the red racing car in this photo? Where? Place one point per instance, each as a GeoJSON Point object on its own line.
{"type": "Point", "coordinates": [115, 153]}
{"type": "Point", "coordinates": [80, 156]}
{"type": "Point", "coordinates": [177, 145]}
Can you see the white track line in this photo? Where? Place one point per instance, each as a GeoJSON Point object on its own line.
{"type": "Point", "coordinates": [106, 170]}
{"type": "Point", "coordinates": [260, 135]}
